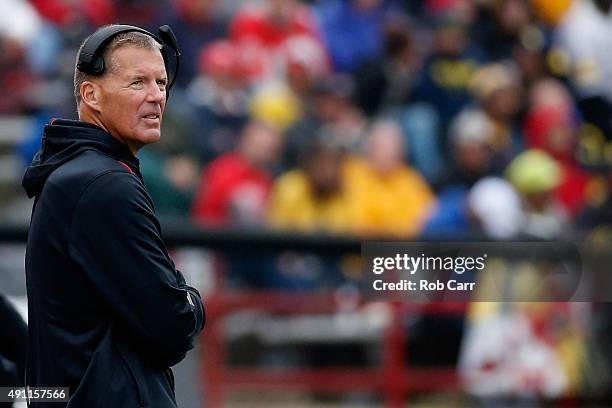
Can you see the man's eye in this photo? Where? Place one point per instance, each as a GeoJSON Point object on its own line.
{"type": "Point", "coordinates": [137, 82]}
{"type": "Point", "coordinates": [162, 83]}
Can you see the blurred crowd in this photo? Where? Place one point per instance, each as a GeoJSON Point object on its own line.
{"type": "Point", "coordinates": [410, 119]}
{"type": "Point", "coordinates": [376, 117]}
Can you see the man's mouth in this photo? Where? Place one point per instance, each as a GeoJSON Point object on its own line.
{"type": "Point", "coordinates": [152, 116]}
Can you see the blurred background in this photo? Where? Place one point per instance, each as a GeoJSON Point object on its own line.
{"type": "Point", "coordinates": [295, 130]}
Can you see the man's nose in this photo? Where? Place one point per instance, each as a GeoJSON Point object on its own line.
{"type": "Point", "coordinates": [155, 94]}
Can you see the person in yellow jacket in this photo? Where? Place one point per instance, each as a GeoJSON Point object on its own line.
{"type": "Point", "coordinates": [386, 196]}
{"type": "Point", "coordinates": [311, 198]}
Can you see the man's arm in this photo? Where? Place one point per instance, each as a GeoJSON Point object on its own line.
{"type": "Point", "coordinates": [115, 239]}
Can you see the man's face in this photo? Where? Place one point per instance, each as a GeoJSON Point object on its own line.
{"type": "Point", "coordinates": [133, 96]}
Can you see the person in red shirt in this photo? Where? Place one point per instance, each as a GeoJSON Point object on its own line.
{"type": "Point", "coordinates": [551, 125]}
{"type": "Point", "coordinates": [272, 22]}
{"type": "Point", "coordinates": [234, 188]}
{"type": "Point", "coordinates": [262, 31]}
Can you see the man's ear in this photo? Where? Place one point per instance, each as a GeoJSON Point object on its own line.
{"type": "Point", "coordinates": [90, 95]}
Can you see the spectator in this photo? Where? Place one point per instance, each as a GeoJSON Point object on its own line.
{"type": "Point", "coordinates": [489, 198]}
{"type": "Point", "coordinates": [276, 104]}
{"type": "Point", "coordinates": [532, 54]}
{"type": "Point", "coordinates": [219, 98]}
{"type": "Point", "coordinates": [500, 26]}
{"type": "Point", "coordinates": [306, 63]}
{"type": "Point", "coordinates": [332, 111]}
{"type": "Point", "coordinates": [387, 197]}
{"type": "Point", "coordinates": [282, 98]}
{"type": "Point", "coordinates": [261, 30]}
{"type": "Point", "coordinates": [508, 344]}
{"type": "Point", "coordinates": [536, 175]}
{"type": "Point", "coordinates": [196, 24]}
{"type": "Point", "coordinates": [596, 216]}
{"type": "Point", "coordinates": [447, 72]}
{"type": "Point", "coordinates": [16, 79]}
{"type": "Point", "coordinates": [234, 188]}
{"type": "Point", "coordinates": [551, 124]}
{"type": "Point", "coordinates": [498, 93]}
{"type": "Point", "coordinates": [170, 181]}
{"type": "Point", "coordinates": [234, 192]}
{"type": "Point", "coordinates": [387, 82]}
{"type": "Point", "coordinates": [19, 21]}
{"type": "Point", "coordinates": [353, 30]}
{"type": "Point", "coordinates": [271, 22]}
{"type": "Point", "coordinates": [65, 13]}
{"type": "Point", "coordinates": [471, 134]}
{"type": "Point", "coordinates": [312, 197]}
{"type": "Point", "coordinates": [581, 49]}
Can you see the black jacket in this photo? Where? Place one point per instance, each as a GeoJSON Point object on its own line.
{"type": "Point", "coordinates": [108, 311]}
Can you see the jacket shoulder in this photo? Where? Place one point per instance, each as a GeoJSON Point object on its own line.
{"type": "Point", "coordinates": [81, 171]}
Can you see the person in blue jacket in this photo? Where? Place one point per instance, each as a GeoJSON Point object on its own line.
{"type": "Point", "coordinates": [109, 313]}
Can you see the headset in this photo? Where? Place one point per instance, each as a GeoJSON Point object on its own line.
{"type": "Point", "coordinates": [90, 58]}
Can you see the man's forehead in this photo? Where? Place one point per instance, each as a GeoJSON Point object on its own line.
{"type": "Point", "coordinates": [128, 60]}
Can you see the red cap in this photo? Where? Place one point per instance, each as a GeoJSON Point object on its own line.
{"type": "Point", "coordinates": [218, 58]}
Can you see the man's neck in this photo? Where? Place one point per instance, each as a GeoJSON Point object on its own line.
{"type": "Point", "coordinates": [88, 117]}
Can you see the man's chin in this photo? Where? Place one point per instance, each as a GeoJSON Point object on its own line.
{"type": "Point", "coordinates": [138, 141]}
{"type": "Point", "coordinates": [150, 136]}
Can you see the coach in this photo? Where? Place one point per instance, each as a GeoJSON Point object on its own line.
{"type": "Point", "coordinates": [108, 311]}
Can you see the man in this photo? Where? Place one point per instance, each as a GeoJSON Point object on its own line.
{"type": "Point", "coordinates": [108, 311]}
{"type": "Point", "coordinates": [386, 195]}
